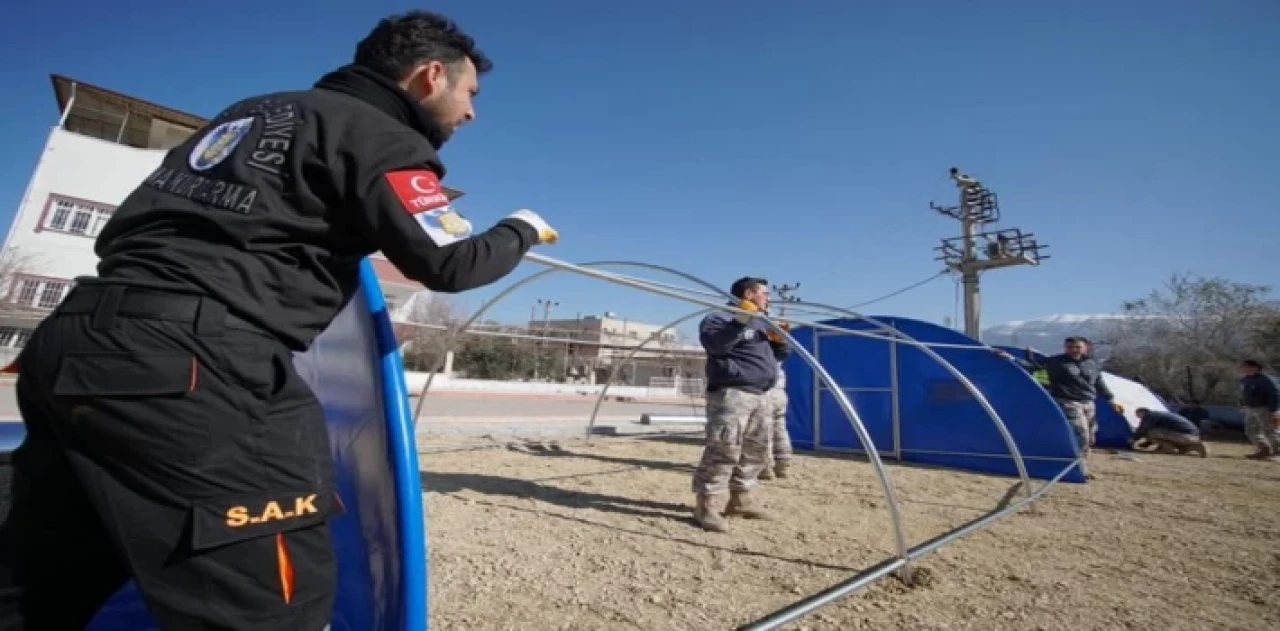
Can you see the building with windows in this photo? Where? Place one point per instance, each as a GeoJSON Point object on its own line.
{"type": "Point", "coordinates": [607, 340]}
{"type": "Point", "coordinates": [103, 144]}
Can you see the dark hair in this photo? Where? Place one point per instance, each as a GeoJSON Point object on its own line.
{"type": "Point", "coordinates": [1141, 411]}
{"type": "Point", "coordinates": [746, 284]}
{"type": "Point", "coordinates": [400, 42]}
{"type": "Point", "coordinates": [1252, 363]}
{"type": "Point", "coordinates": [1074, 338]}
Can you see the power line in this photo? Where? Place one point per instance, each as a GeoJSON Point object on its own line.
{"type": "Point", "coordinates": [1004, 248]}
{"type": "Point", "coordinates": [902, 291]}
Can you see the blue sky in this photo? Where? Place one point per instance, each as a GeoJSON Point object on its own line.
{"type": "Point", "coordinates": [805, 144]}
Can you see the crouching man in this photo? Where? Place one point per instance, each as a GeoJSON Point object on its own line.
{"type": "Point", "coordinates": [742, 366]}
{"type": "Point", "coordinates": [1168, 432]}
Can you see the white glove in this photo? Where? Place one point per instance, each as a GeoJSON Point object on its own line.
{"type": "Point", "coordinates": [546, 234]}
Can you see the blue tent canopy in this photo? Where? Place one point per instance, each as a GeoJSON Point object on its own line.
{"type": "Point", "coordinates": [354, 368]}
{"type": "Point", "coordinates": [915, 410]}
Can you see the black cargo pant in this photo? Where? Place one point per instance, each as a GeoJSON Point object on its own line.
{"type": "Point", "coordinates": [169, 443]}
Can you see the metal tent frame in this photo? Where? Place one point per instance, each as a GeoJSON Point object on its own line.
{"type": "Point", "coordinates": [905, 554]}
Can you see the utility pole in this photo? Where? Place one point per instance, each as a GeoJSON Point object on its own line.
{"type": "Point", "coordinates": [1004, 248]}
{"type": "Point", "coordinates": [547, 305]}
{"type": "Point", "coordinates": [785, 296]}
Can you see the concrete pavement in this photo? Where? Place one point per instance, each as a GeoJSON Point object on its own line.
{"type": "Point", "coordinates": [466, 413]}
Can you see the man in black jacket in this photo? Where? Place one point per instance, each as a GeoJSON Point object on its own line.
{"type": "Point", "coordinates": [1168, 432]}
{"type": "Point", "coordinates": [1260, 399]}
{"type": "Point", "coordinates": [742, 366]}
{"type": "Point", "coordinates": [169, 438]}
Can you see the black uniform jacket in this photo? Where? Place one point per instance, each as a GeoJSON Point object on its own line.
{"type": "Point", "coordinates": [272, 205]}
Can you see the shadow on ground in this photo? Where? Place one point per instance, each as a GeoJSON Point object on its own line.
{"type": "Point", "coordinates": [454, 483]}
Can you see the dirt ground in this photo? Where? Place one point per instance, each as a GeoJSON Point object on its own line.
{"type": "Point", "coordinates": [601, 537]}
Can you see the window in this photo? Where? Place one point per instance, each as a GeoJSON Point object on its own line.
{"type": "Point", "coordinates": [14, 337]}
{"type": "Point", "coordinates": [39, 292]}
{"type": "Point", "coordinates": [75, 216]}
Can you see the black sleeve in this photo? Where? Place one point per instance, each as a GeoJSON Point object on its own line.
{"type": "Point", "coordinates": [1271, 393]}
{"type": "Point", "coordinates": [1143, 427]}
{"type": "Point", "coordinates": [394, 227]}
{"type": "Point", "coordinates": [1103, 388]}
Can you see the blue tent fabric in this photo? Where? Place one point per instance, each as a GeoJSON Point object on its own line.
{"type": "Point", "coordinates": [1113, 430]}
{"type": "Point", "coordinates": [939, 421]}
{"type": "Point", "coordinates": [355, 369]}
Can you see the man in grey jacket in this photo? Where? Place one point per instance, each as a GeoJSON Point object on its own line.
{"type": "Point", "coordinates": [742, 367]}
{"type": "Point", "coordinates": [1075, 383]}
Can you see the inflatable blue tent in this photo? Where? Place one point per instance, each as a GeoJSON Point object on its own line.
{"type": "Point", "coordinates": [915, 410]}
{"type": "Point", "coordinates": [354, 368]}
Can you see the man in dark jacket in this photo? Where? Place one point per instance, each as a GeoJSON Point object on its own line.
{"type": "Point", "coordinates": [1168, 432]}
{"type": "Point", "coordinates": [1075, 382]}
{"type": "Point", "coordinates": [743, 353]}
{"type": "Point", "coordinates": [169, 438]}
{"type": "Point", "coordinates": [1260, 399]}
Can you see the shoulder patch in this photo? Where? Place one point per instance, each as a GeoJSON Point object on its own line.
{"type": "Point", "coordinates": [219, 143]}
{"type": "Point", "coordinates": [417, 189]}
{"type": "Point", "coordinates": [444, 225]}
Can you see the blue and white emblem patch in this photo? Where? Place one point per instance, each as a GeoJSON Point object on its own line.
{"type": "Point", "coordinates": [218, 144]}
{"type": "Point", "coordinates": [444, 225]}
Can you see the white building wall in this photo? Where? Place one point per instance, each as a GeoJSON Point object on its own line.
{"type": "Point", "coordinates": [85, 176]}
{"type": "Point", "coordinates": [75, 173]}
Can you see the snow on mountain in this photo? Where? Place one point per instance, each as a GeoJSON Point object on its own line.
{"type": "Point", "coordinates": [1047, 333]}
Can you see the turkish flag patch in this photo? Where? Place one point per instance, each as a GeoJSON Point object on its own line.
{"type": "Point", "coordinates": [417, 189]}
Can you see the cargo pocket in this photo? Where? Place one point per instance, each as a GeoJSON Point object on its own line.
{"type": "Point", "coordinates": [225, 520]}
{"type": "Point", "coordinates": [121, 375]}
{"type": "Point", "coordinates": [141, 409]}
{"type": "Point", "coordinates": [275, 539]}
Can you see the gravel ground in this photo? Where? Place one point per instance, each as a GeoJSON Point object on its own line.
{"type": "Point", "coordinates": [601, 537]}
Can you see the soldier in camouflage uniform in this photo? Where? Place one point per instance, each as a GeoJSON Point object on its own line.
{"type": "Point", "coordinates": [1075, 383]}
{"type": "Point", "coordinates": [1260, 400]}
{"type": "Point", "coordinates": [742, 366]}
{"type": "Point", "coordinates": [779, 440]}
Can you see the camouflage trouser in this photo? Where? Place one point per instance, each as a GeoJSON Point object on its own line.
{"type": "Point", "coordinates": [737, 442]}
{"type": "Point", "coordinates": [1083, 417]}
{"type": "Point", "coordinates": [779, 439]}
{"type": "Point", "coordinates": [1171, 438]}
{"type": "Point", "coordinates": [1260, 430]}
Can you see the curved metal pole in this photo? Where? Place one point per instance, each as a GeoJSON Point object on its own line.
{"type": "Point", "coordinates": [969, 385]}
{"type": "Point", "coordinates": [613, 372]}
{"type": "Point", "coordinates": [873, 455]}
{"type": "Point", "coordinates": [453, 335]}
{"type": "Point", "coordinates": [426, 386]}
{"type": "Point", "coordinates": [645, 284]}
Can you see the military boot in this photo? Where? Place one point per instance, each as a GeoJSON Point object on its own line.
{"type": "Point", "coordinates": [780, 468]}
{"type": "Point", "coordinates": [1263, 453]}
{"type": "Point", "coordinates": [742, 504]}
{"type": "Point", "coordinates": [766, 473]}
{"type": "Point", "coordinates": [708, 512]}
{"type": "Point", "coordinates": [1198, 448]}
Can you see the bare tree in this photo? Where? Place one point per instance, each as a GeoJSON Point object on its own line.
{"type": "Point", "coordinates": [13, 265]}
{"type": "Point", "coordinates": [1186, 338]}
{"type": "Point", "coordinates": [426, 329]}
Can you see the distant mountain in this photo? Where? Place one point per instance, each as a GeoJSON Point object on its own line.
{"type": "Point", "coordinates": [1046, 334]}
